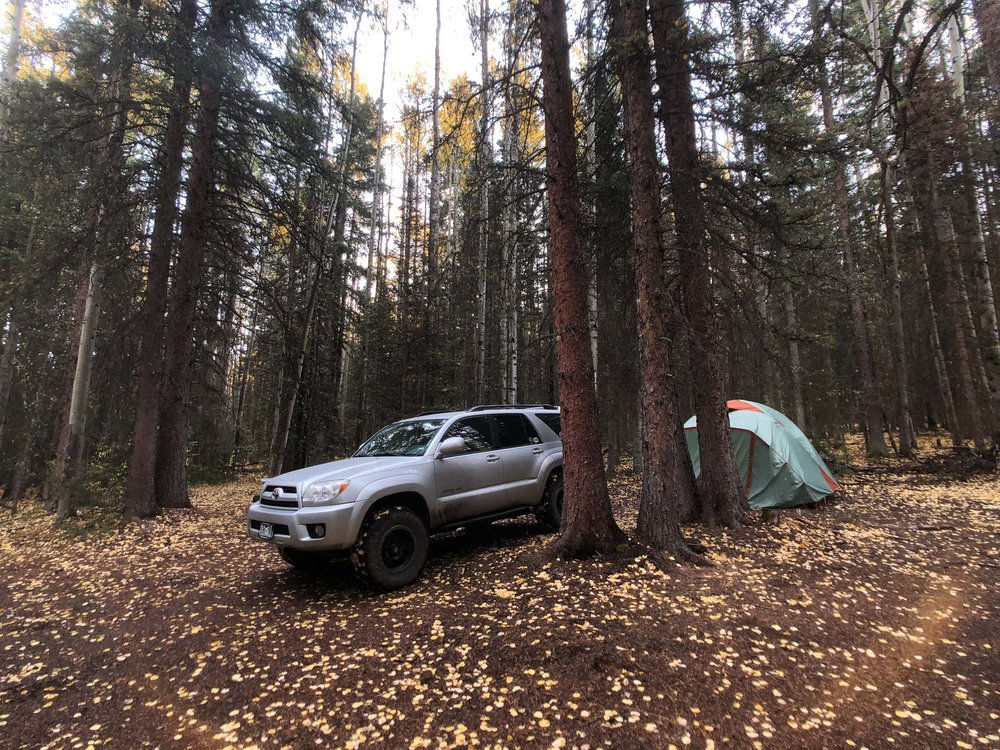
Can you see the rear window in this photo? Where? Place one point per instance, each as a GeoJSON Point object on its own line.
{"type": "Point", "coordinates": [514, 430]}
{"type": "Point", "coordinates": [552, 421]}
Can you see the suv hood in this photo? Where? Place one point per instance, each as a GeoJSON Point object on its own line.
{"type": "Point", "coordinates": [348, 468]}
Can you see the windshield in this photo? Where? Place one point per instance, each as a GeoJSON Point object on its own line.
{"type": "Point", "coordinates": [409, 438]}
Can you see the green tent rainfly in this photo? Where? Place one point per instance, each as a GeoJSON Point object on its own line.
{"type": "Point", "coordinates": [778, 465]}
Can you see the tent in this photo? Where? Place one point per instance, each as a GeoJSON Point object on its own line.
{"type": "Point", "coordinates": [778, 465]}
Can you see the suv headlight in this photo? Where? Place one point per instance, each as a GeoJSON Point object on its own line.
{"type": "Point", "coordinates": [324, 493]}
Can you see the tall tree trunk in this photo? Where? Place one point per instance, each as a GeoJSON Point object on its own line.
{"type": "Point", "coordinates": [794, 360]}
{"type": "Point", "coordinates": [11, 61]}
{"type": "Point", "coordinates": [484, 159]}
{"type": "Point", "coordinates": [964, 332]}
{"type": "Point", "coordinates": [509, 251]}
{"type": "Point", "coordinates": [171, 455]}
{"type": "Point", "coordinates": [291, 380]}
{"type": "Point", "coordinates": [335, 218]}
{"type": "Point", "coordinates": [965, 335]}
{"type": "Point", "coordinates": [140, 488]}
{"type": "Point", "coordinates": [7, 362]}
{"type": "Point", "coordinates": [936, 228]}
{"type": "Point", "coordinates": [55, 478]}
{"type": "Point", "coordinates": [588, 525]}
{"type": "Point", "coordinates": [864, 365]}
{"type": "Point", "coordinates": [241, 390]}
{"type": "Point", "coordinates": [69, 452]}
{"type": "Point", "coordinates": [84, 364]}
{"type": "Point", "coordinates": [341, 366]}
{"type": "Point", "coordinates": [937, 352]}
{"type": "Point", "coordinates": [372, 275]}
{"type": "Point", "coordinates": [982, 284]}
{"type": "Point", "coordinates": [723, 500]}
{"type": "Point", "coordinates": [13, 333]}
{"type": "Point", "coordinates": [659, 509]}
{"type": "Point", "coordinates": [434, 209]}
{"type": "Point", "coordinates": [371, 270]}
{"type": "Point", "coordinates": [431, 351]}
{"type": "Point", "coordinates": [591, 165]}
{"type": "Point", "coordinates": [907, 433]}
{"type": "Point", "coordinates": [26, 456]}
{"type": "Point", "coordinates": [107, 184]}
{"type": "Point", "coordinates": [512, 334]}
{"type": "Point", "coordinates": [506, 226]}
{"type": "Point", "coordinates": [987, 15]}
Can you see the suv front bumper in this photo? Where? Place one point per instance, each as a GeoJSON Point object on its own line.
{"type": "Point", "coordinates": [291, 526]}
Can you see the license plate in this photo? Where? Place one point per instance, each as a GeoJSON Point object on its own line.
{"type": "Point", "coordinates": [266, 530]}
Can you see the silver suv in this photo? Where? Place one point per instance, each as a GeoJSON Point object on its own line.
{"type": "Point", "coordinates": [433, 473]}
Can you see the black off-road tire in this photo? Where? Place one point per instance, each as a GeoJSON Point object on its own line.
{"type": "Point", "coordinates": [305, 559]}
{"type": "Point", "coordinates": [391, 549]}
{"type": "Point", "coordinates": [549, 513]}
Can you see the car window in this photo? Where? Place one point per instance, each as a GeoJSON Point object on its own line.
{"type": "Point", "coordinates": [409, 438]}
{"type": "Point", "coordinates": [552, 421]}
{"type": "Point", "coordinates": [514, 430]}
{"type": "Point", "coordinates": [475, 431]}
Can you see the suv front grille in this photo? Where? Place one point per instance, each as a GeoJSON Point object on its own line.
{"type": "Point", "coordinates": [282, 503]}
{"type": "Point", "coordinates": [286, 497]}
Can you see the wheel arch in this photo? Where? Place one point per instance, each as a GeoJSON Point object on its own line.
{"type": "Point", "coordinates": [549, 470]}
{"type": "Point", "coordinates": [408, 499]}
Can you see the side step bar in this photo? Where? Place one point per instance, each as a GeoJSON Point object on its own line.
{"type": "Point", "coordinates": [520, 510]}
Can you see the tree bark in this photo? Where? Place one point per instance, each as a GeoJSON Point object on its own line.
{"type": "Point", "coordinates": [55, 478]}
{"type": "Point", "coordinates": [987, 15]}
{"type": "Point", "coordinates": [171, 454]}
{"type": "Point", "coordinates": [964, 329]}
{"type": "Point", "coordinates": [659, 509]}
{"type": "Point", "coordinates": [588, 525]}
{"type": "Point", "coordinates": [935, 226]}
{"type": "Point", "coordinates": [937, 353]}
{"type": "Point", "coordinates": [509, 251]}
{"type": "Point", "coordinates": [244, 381]}
{"type": "Point", "coordinates": [794, 359]}
{"type": "Point", "coordinates": [864, 366]}
{"type": "Point", "coordinates": [372, 275]}
{"type": "Point", "coordinates": [907, 434]}
{"type": "Point", "coordinates": [22, 467]}
{"type": "Point", "coordinates": [484, 158]}
{"type": "Point", "coordinates": [966, 339]}
{"type": "Point", "coordinates": [335, 217]}
{"type": "Point", "coordinates": [291, 380]}
{"type": "Point", "coordinates": [140, 488]}
{"type": "Point", "coordinates": [590, 151]}
{"type": "Point", "coordinates": [69, 452]}
{"type": "Point", "coordinates": [434, 209]}
{"type": "Point", "coordinates": [107, 182]}
{"type": "Point", "coordinates": [982, 284]}
{"type": "Point", "coordinates": [723, 500]}
{"type": "Point", "coordinates": [11, 61]}
{"type": "Point", "coordinates": [10, 345]}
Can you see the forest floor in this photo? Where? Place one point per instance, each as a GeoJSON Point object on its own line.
{"type": "Point", "coordinates": [873, 621]}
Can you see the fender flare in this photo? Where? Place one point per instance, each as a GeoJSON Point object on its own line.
{"type": "Point", "coordinates": [372, 493]}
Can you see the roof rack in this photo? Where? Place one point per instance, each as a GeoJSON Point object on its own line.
{"type": "Point", "coordinates": [487, 407]}
{"type": "Point", "coordinates": [443, 410]}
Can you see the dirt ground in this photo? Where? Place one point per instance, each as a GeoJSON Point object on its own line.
{"type": "Point", "coordinates": [872, 622]}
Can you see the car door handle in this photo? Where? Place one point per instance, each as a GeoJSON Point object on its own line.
{"type": "Point", "coordinates": [536, 451]}
{"type": "Point", "coordinates": [492, 459]}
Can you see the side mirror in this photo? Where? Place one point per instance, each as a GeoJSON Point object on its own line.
{"type": "Point", "coordinates": [453, 446]}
